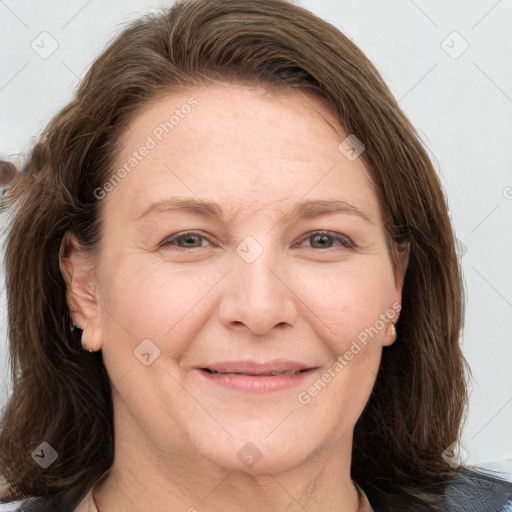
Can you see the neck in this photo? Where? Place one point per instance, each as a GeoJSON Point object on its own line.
{"type": "Point", "coordinates": [142, 478]}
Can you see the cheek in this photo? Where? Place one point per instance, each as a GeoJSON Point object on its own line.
{"type": "Point", "coordinates": [346, 308]}
{"type": "Point", "coordinates": [346, 302]}
{"type": "Point", "coordinates": [156, 301]}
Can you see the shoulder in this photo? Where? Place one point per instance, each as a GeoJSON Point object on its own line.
{"type": "Point", "coordinates": [472, 491]}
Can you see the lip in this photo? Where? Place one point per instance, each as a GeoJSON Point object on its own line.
{"type": "Point", "coordinates": [254, 377]}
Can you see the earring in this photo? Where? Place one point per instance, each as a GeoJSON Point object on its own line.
{"type": "Point", "coordinates": [393, 331]}
{"type": "Point", "coordinates": [72, 325]}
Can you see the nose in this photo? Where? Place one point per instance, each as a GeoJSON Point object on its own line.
{"type": "Point", "coordinates": [258, 296]}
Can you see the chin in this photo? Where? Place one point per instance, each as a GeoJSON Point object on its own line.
{"type": "Point", "coordinates": [257, 455]}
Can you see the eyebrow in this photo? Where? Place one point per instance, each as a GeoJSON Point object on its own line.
{"type": "Point", "coordinates": [303, 210]}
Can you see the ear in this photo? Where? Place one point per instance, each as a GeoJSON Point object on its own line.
{"type": "Point", "coordinates": [82, 292]}
{"type": "Point", "coordinates": [395, 302]}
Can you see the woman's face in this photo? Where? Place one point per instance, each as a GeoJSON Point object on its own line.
{"type": "Point", "coordinates": [245, 286]}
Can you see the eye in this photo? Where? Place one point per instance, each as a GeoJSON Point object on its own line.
{"type": "Point", "coordinates": [326, 240]}
{"type": "Point", "coordinates": [185, 240]}
{"type": "Point", "coordinates": [194, 240]}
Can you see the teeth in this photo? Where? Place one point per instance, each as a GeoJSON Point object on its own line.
{"type": "Point", "coordinates": [292, 372]}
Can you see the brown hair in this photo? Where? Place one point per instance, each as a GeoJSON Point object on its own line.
{"type": "Point", "coordinates": [61, 393]}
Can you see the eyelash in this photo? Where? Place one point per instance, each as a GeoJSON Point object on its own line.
{"type": "Point", "coordinates": [169, 242]}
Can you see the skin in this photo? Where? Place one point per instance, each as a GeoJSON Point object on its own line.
{"type": "Point", "coordinates": [257, 154]}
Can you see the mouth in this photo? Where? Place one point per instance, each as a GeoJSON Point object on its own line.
{"type": "Point", "coordinates": [254, 377]}
{"type": "Point", "coordinates": [271, 374]}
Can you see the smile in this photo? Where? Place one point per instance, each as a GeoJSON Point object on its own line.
{"type": "Point", "coordinates": [254, 377]}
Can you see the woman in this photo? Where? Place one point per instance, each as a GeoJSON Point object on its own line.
{"type": "Point", "coordinates": [233, 283]}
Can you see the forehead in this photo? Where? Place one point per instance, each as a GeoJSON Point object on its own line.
{"type": "Point", "coordinates": [243, 147]}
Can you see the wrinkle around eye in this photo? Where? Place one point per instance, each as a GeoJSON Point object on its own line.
{"type": "Point", "coordinates": [345, 244]}
{"type": "Point", "coordinates": [169, 241]}
{"type": "Point", "coordinates": [343, 240]}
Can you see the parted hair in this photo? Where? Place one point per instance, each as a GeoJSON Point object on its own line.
{"type": "Point", "coordinates": [61, 394]}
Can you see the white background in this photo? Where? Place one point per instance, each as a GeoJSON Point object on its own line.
{"type": "Point", "coordinates": [461, 107]}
